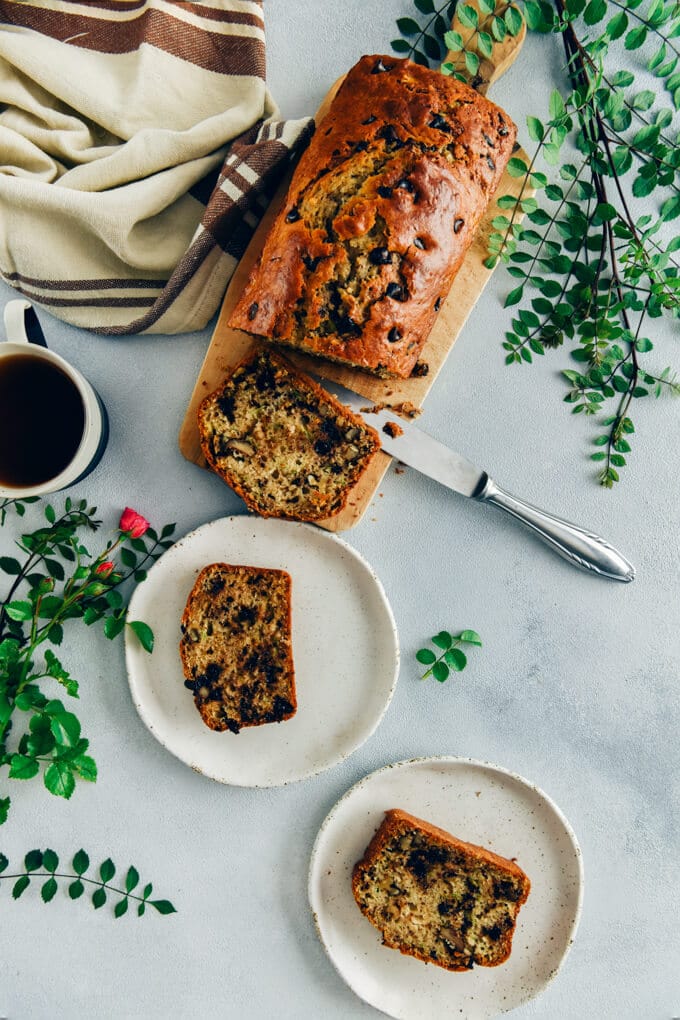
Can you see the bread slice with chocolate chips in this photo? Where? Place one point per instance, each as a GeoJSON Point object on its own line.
{"type": "Point", "coordinates": [437, 898]}
{"type": "Point", "coordinates": [236, 646]}
{"type": "Point", "coordinates": [287, 447]}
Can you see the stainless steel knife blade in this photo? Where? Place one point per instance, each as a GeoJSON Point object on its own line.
{"type": "Point", "coordinates": [404, 440]}
{"type": "Point", "coordinates": [411, 445]}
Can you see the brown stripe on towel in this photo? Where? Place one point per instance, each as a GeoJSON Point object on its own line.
{"type": "Point", "coordinates": [85, 284]}
{"type": "Point", "coordinates": [90, 302]}
{"type": "Point", "coordinates": [201, 10]}
{"type": "Point", "coordinates": [186, 269]}
{"type": "Point", "coordinates": [224, 54]}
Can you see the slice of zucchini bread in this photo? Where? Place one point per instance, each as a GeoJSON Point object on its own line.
{"type": "Point", "coordinates": [287, 447]}
{"type": "Point", "coordinates": [236, 646]}
{"type": "Point", "coordinates": [436, 898]}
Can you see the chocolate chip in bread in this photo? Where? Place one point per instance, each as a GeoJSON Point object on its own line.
{"type": "Point", "coordinates": [287, 447]}
{"type": "Point", "coordinates": [437, 898]}
{"type": "Point", "coordinates": [236, 647]}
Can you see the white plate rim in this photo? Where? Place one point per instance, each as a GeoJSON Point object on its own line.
{"type": "Point", "coordinates": [454, 760]}
{"type": "Point", "coordinates": [319, 533]}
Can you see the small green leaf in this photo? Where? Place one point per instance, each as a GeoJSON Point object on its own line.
{"type": "Point", "coordinates": [456, 659]}
{"type": "Point", "coordinates": [470, 637]}
{"type": "Point", "coordinates": [48, 889]}
{"type": "Point", "coordinates": [515, 296]}
{"type": "Point", "coordinates": [4, 863]}
{"type": "Point", "coordinates": [20, 886]}
{"type": "Point", "coordinates": [113, 626]}
{"type": "Point", "coordinates": [471, 62]}
{"type": "Point", "coordinates": [163, 906]}
{"type": "Point", "coordinates": [443, 639]}
{"type": "Point", "coordinates": [86, 767]}
{"type": "Point", "coordinates": [120, 907]}
{"type": "Point", "coordinates": [513, 20]}
{"type": "Point", "coordinates": [50, 860]}
{"type": "Point", "coordinates": [59, 780]}
{"type": "Point", "coordinates": [131, 879]}
{"type": "Point", "coordinates": [76, 889]}
{"type": "Point", "coordinates": [407, 26]}
{"type": "Point", "coordinates": [107, 870]}
{"type": "Point", "coordinates": [536, 129]}
{"type": "Point", "coordinates": [99, 898]}
{"type": "Point", "coordinates": [468, 16]}
{"type": "Point", "coordinates": [19, 611]}
{"type": "Point", "coordinates": [81, 862]}
{"type": "Point", "coordinates": [22, 767]}
{"type": "Point", "coordinates": [440, 671]}
{"type": "Point", "coordinates": [426, 657]}
{"type": "Point", "coordinates": [9, 565]}
{"type": "Point", "coordinates": [144, 634]}
{"type": "Point", "coordinates": [33, 860]}
{"type": "Point", "coordinates": [66, 728]}
{"type": "Point", "coordinates": [140, 909]}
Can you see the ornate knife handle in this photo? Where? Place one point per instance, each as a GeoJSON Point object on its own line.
{"type": "Point", "coordinates": [582, 548]}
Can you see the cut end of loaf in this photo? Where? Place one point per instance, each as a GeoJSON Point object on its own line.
{"type": "Point", "coordinates": [437, 898]}
{"type": "Point", "coordinates": [236, 647]}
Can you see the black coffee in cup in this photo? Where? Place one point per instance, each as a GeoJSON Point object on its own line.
{"type": "Point", "coordinates": [42, 420]}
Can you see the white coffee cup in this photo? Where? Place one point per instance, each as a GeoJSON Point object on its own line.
{"type": "Point", "coordinates": [17, 315]}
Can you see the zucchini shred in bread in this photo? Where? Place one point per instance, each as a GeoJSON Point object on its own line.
{"type": "Point", "coordinates": [436, 898]}
{"type": "Point", "coordinates": [287, 447]}
{"type": "Point", "coordinates": [380, 212]}
{"type": "Point", "coordinates": [236, 646]}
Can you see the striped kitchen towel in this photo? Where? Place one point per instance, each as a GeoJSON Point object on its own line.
{"type": "Point", "coordinates": [139, 146]}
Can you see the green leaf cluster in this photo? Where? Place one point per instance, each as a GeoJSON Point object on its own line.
{"type": "Point", "coordinates": [53, 580]}
{"type": "Point", "coordinates": [451, 657]}
{"type": "Point", "coordinates": [42, 865]}
{"type": "Point", "coordinates": [589, 270]}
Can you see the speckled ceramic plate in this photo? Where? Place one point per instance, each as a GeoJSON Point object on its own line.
{"type": "Point", "coordinates": [479, 803]}
{"type": "Point", "coordinates": [345, 650]}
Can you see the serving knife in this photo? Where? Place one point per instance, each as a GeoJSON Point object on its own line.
{"type": "Point", "coordinates": [404, 440]}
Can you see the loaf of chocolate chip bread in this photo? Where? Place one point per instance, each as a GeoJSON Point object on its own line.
{"type": "Point", "coordinates": [436, 898]}
{"type": "Point", "coordinates": [287, 447]}
{"type": "Point", "coordinates": [236, 646]}
{"type": "Point", "coordinates": [380, 212]}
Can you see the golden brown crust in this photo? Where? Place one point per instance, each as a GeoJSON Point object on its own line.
{"type": "Point", "coordinates": [236, 646]}
{"type": "Point", "coordinates": [379, 853]}
{"type": "Point", "coordinates": [298, 463]}
{"type": "Point", "coordinates": [380, 213]}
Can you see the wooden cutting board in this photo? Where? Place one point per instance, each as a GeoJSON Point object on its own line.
{"type": "Point", "coordinates": [228, 346]}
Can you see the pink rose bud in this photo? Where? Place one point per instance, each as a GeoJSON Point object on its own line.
{"type": "Point", "coordinates": [104, 568]}
{"type": "Point", "coordinates": [132, 523]}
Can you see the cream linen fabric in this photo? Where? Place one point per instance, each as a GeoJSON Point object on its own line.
{"type": "Point", "coordinates": [138, 146]}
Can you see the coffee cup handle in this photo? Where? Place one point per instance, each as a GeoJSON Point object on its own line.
{"type": "Point", "coordinates": [22, 325]}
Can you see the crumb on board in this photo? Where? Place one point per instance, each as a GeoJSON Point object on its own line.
{"type": "Point", "coordinates": [406, 409]}
{"type": "Point", "coordinates": [390, 428]}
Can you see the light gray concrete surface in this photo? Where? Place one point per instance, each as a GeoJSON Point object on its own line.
{"type": "Point", "coordinates": [576, 687]}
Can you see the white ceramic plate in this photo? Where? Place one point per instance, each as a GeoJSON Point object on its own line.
{"type": "Point", "coordinates": [479, 803]}
{"type": "Point", "coordinates": [345, 650]}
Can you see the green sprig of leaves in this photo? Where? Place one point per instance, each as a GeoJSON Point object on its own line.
{"type": "Point", "coordinates": [44, 864]}
{"type": "Point", "coordinates": [452, 658]}
{"type": "Point", "coordinates": [57, 579]}
{"type": "Point", "coordinates": [589, 269]}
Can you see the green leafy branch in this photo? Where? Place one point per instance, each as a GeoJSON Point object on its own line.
{"type": "Point", "coordinates": [424, 43]}
{"type": "Point", "coordinates": [59, 580]}
{"type": "Point", "coordinates": [488, 25]}
{"type": "Point", "coordinates": [452, 658]}
{"type": "Point", "coordinates": [18, 505]}
{"type": "Point", "coordinates": [48, 861]}
{"type": "Point", "coordinates": [595, 271]}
